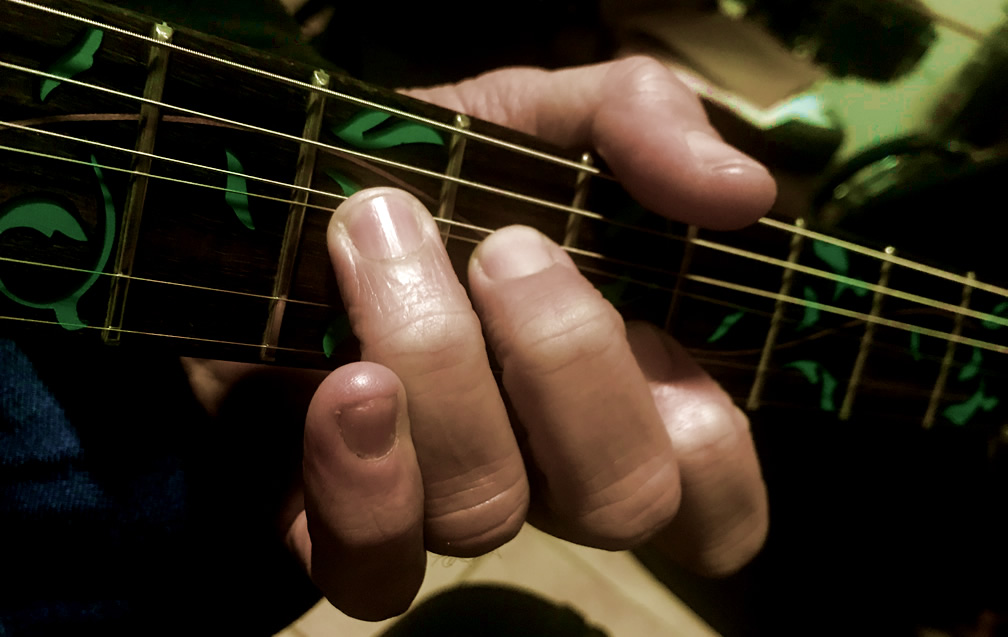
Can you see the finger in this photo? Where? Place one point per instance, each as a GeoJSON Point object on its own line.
{"type": "Point", "coordinates": [647, 125]}
{"type": "Point", "coordinates": [722, 521]}
{"type": "Point", "coordinates": [593, 430]}
{"type": "Point", "coordinates": [411, 314]}
{"type": "Point", "coordinates": [361, 535]}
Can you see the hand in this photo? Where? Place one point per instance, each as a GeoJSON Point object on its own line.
{"type": "Point", "coordinates": [614, 435]}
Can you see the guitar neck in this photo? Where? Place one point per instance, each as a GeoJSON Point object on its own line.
{"type": "Point", "coordinates": [167, 189]}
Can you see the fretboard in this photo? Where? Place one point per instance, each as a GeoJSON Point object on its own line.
{"type": "Point", "coordinates": [165, 189]}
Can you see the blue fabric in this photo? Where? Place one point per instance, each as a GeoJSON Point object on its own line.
{"type": "Point", "coordinates": [124, 509]}
{"type": "Point", "coordinates": [75, 520]}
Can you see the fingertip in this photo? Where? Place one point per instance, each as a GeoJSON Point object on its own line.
{"type": "Point", "coordinates": [657, 140]}
{"type": "Point", "coordinates": [363, 493]}
{"type": "Point", "coordinates": [514, 252]}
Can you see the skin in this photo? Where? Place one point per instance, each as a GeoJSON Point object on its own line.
{"type": "Point", "coordinates": [621, 437]}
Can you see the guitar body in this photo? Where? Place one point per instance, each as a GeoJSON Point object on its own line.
{"type": "Point", "coordinates": [166, 192]}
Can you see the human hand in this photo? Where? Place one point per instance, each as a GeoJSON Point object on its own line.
{"type": "Point", "coordinates": [615, 436]}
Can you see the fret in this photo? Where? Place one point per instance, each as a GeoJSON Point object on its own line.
{"type": "Point", "coordinates": [580, 196]}
{"type": "Point", "coordinates": [157, 71]}
{"type": "Point", "coordinates": [946, 365]}
{"type": "Point", "coordinates": [787, 279]}
{"type": "Point", "coordinates": [684, 264]}
{"type": "Point", "coordinates": [867, 339]}
{"type": "Point", "coordinates": [295, 217]}
{"type": "Point", "coordinates": [449, 188]}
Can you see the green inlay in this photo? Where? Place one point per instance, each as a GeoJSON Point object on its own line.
{"type": "Point", "coordinates": [726, 324]}
{"type": "Point", "coordinates": [337, 332]}
{"type": "Point", "coordinates": [972, 368]}
{"type": "Point", "coordinates": [998, 310]}
{"type": "Point", "coordinates": [812, 313]}
{"type": "Point", "coordinates": [960, 414]}
{"type": "Point", "coordinates": [49, 217]}
{"type": "Point", "coordinates": [915, 345]}
{"type": "Point", "coordinates": [347, 185]}
{"type": "Point", "coordinates": [42, 215]}
{"type": "Point", "coordinates": [236, 195]}
{"type": "Point", "coordinates": [836, 258]}
{"type": "Point", "coordinates": [816, 374]}
{"type": "Point", "coordinates": [360, 132]}
{"type": "Point", "coordinates": [615, 291]}
{"type": "Point", "coordinates": [79, 58]}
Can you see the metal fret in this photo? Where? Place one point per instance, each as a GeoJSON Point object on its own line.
{"type": "Point", "coordinates": [684, 264]}
{"type": "Point", "coordinates": [580, 196]}
{"type": "Point", "coordinates": [756, 391]}
{"type": "Point", "coordinates": [939, 387]}
{"type": "Point", "coordinates": [295, 218]}
{"type": "Point", "coordinates": [150, 115]}
{"type": "Point", "coordinates": [157, 67]}
{"type": "Point", "coordinates": [866, 340]}
{"type": "Point", "coordinates": [449, 187]}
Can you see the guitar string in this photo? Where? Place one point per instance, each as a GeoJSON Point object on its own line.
{"type": "Point", "coordinates": [884, 256]}
{"type": "Point", "coordinates": [881, 255]}
{"type": "Point", "coordinates": [449, 128]}
{"type": "Point", "coordinates": [307, 86]}
{"type": "Point", "coordinates": [855, 282]}
{"type": "Point", "coordinates": [867, 318]}
{"type": "Point", "coordinates": [954, 309]}
{"type": "Point", "coordinates": [378, 106]}
{"type": "Point", "coordinates": [949, 22]}
{"type": "Point", "coordinates": [703, 355]}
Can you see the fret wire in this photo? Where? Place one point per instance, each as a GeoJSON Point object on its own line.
{"type": "Point", "coordinates": [939, 387]}
{"type": "Point", "coordinates": [517, 148]}
{"type": "Point", "coordinates": [867, 340]}
{"type": "Point", "coordinates": [770, 342]}
{"type": "Point", "coordinates": [881, 255]}
{"type": "Point", "coordinates": [700, 242]}
{"type": "Point", "coordinates": [993, 347]}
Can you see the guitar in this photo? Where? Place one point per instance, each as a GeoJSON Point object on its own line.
{"type": "Point", "coordinates": [167, 190]}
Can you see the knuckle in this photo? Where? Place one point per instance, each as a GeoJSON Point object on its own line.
{"type": "Point", "coordinates": [630, 511]}
{"type": "Point", "coordinates": [735, 549]}
{"type": "Point", "coordinates": [472, 520]}
{"type": "Point", "coordinates": [436, 335]}
{"type": "Point", "coordinates": [566, 337]}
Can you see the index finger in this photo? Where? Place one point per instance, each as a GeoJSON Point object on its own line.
{"type": "Point", "coordinates": [646, 124]}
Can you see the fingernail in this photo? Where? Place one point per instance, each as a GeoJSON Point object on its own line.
{"type": "Point", "coordinates": [717, 156]}
{"type": "Point", "coordinates": [515, 252]}
{"type": "Point", "coordinates": [369, 428]}
{"type": "Point", "coordinates": [382, 225]}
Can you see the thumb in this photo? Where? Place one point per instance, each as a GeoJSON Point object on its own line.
{"type": "Point", "coordinates": [361, 534]}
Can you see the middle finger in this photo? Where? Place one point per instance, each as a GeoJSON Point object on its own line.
{"type": "Point", "coordinates": [411, 314]}
{"type": "Point", "coordinates": [594, 432]}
